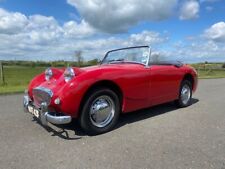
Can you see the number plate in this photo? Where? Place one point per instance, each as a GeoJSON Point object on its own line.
{"type": "Point", "coordinates": [34, 111]}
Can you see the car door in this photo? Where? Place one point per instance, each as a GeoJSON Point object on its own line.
{"type": "Point", "coordinates": [164, 83]}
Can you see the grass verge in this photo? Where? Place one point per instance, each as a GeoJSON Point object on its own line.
{"type": "Point", "coordinates": [211, 74]}
{"type": "Point", "coordinates": [11, 89]}
{"type": "Point", "coordinates": [17, 78]}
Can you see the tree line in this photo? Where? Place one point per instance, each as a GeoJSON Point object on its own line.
{"type": "Point", "coordinates": [60, 63]}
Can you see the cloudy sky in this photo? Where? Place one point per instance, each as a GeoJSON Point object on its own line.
{"type": "Point", "coordinates": [186, 30]}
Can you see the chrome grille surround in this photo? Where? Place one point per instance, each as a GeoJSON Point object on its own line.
{"type": "Point", "coordinates": [41, 95]}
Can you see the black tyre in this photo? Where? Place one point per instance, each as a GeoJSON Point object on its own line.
{"type": "Point", "coordinates": [185, 94]}
{"type": "Point", "coordinates": [100, 111]}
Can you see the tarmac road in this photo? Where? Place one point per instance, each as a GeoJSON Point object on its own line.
{"type": "Point", "coordinates": [160, 137]}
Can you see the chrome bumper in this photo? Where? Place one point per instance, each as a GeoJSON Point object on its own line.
{"type": "Point", "coordinates": [44, 115]}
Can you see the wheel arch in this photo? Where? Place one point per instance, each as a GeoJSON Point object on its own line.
{"type": "Point", "coordinates": [102, 83]}
{"type": "Point", "coordinates": [190, 78]}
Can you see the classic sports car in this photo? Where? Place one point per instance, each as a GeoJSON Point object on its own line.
{"type": "Point", "coordinates": [126, 80]}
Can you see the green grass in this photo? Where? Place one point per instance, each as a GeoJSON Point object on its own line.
{"type": "Point", "coordinates": [17, 78]}
{"type": "Point", "coordinates": [211, 73]}
{"type": "Point", "coordinates": [12, 89]}
{"type": "Point", "coordinates": [207, 65]}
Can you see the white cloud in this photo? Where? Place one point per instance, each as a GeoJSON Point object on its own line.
{"type": "Point", "coordinates": [42, 29]}
{"type": "Point", "coordinates": [194, 51]}
{"type": "Point", "coordinates": [37, 22]}
{"type": "Point", "coordinates": [11, 23]}
{"type": "Point", "coordinates": [73, 29]}
{"type": "Point", "coordinates": [35, 36]}
{"type": "Point", "coordinates": [41, 37]}
{"type": "Point", "coordinates": [119, 15]}
{"type": "Point", "coordinates": [189, 10]}
{"type": "Point", "coordinates": [209, 46]}
{"type": "Point", "coordinates": [17, 23]}
{"type": "Point", "coordinates": [64, 47]}
{"type": "Point", "coordinates": [147, 37]}
{"type": "Point", "coordinates": [216, 32]}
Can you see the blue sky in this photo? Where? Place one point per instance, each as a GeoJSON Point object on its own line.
{"type": "Point", "coordinates": [186, 30]}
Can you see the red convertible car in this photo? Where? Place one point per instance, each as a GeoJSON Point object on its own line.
{"type": "Point", "coordinates": [126, 80]}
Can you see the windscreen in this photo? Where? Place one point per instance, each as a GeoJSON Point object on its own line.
{"type": "Point", "coordinates": [138, 55]}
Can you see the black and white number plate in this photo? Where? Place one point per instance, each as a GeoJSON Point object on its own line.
{"type": "Point", "coordinates": [34, 111]}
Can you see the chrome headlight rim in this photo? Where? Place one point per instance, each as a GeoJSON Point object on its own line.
{"type": "Point", "coordinates": [48, 74]}
{"type": "Point", "coordinates": [69, 74]}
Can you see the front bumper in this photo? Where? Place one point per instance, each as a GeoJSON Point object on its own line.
{"type": "Point", "coordinates": [42, 113]}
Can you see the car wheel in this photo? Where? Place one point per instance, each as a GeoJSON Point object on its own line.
{"type": "Point", "coordinates": [100, 111]}
{"type": "Point", "coordinates": [185, 94]}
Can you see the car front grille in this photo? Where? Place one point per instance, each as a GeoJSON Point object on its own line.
{"type": "Point", "coordinates": [41, 95]}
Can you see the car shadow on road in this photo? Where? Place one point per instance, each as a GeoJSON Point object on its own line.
{"type": "Point", "coordinates": [148, 113]}
{"type": "Point", "coordinates": [64, 131]}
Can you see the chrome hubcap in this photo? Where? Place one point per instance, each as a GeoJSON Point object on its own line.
{"type": "Point", "coordinates": [102, 111]}
{"type": "Point", "coordinates": [185, 94]}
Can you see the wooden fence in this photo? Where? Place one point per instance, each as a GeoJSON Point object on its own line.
{"type": "Point", "coordinates": [2, 77]}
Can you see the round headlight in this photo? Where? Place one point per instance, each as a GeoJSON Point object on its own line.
{"type": "Point", "coordinates": [69, 74]}
{"type": "Point", "coordinates": [48, 74]}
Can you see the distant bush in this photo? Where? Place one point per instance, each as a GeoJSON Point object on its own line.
{"type": "Point", "coordinates": [223, 66]}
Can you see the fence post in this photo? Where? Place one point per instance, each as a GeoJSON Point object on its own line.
{"type": "Point", "coordinates": [2, 73]}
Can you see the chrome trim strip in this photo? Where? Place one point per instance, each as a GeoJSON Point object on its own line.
{"type": "Point", "coordinates": [25, 103]}
{"type": "Point", "coordinates": [58, 119]}
{"type": "Point", "coordinates": [131, 62]}
{"type": "Point", "coordinates": [149, 56]}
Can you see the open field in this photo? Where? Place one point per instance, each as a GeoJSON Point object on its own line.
{"type": "Point", "coordinates": [210, 70]}
{"type": "Point", "coordinates": [211, 74]}
{"type": "Point", "coordinates": [17, 77]}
